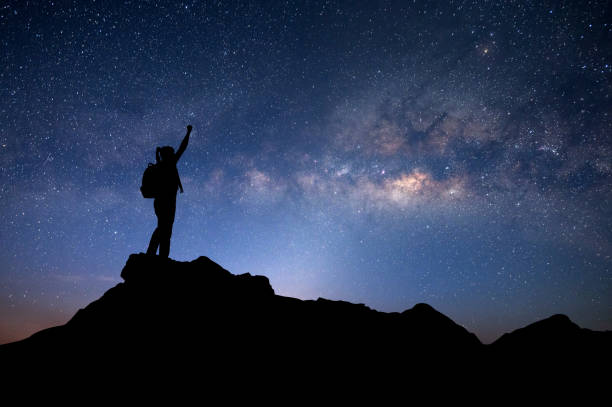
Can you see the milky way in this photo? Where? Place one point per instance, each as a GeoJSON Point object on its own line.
{"type": "Point", "coordinates": [387, 153]}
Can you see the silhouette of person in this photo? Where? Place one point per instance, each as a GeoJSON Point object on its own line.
{"type": "Point", "coordinates": [165, 201]}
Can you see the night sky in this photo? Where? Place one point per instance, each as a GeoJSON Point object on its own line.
{"type": "Point", "coordinates": [457, 153]}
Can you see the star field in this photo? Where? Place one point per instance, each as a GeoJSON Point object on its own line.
{"type": "Point", "coordinates": [455, 153]}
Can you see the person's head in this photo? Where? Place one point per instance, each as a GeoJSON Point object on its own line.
{"type": "Point", "coordinates": [166, 153]}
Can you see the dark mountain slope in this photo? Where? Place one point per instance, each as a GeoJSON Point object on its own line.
{"type": "Point", "coordinates": [168, 314]}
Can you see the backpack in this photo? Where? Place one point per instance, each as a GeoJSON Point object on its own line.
{"type": "Point", "coordinates": [151, 181]}
{"type": "Point", "coordinates": [149, 187]}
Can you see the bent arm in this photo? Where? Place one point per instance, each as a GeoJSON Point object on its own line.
{"type": "Point", "coordinates": [183, 145]}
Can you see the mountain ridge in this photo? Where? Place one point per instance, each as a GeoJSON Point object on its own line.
{"type": "Point", "coordinates": [199, 311]}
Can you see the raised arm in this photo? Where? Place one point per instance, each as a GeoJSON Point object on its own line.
{"type": "Point", "coordinates": [184, 143]}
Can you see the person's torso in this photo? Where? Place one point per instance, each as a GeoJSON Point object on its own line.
{"type": "Point", "coordinates": [168, 178]}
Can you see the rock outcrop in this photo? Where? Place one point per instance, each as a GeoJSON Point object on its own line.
{"type": "Point", "coordinates": [169, 313]}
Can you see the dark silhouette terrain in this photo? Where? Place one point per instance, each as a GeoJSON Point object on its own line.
{"type": "Point", "coordinates": [170, 313]}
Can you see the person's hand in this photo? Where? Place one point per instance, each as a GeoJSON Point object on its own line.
{"type": "Point", "coordinates": [189, 127]}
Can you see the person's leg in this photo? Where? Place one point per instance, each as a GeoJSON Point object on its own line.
{"type": "Point", "coordinates": [154, 242]}
{"type": "Point", "coordinates": [155, 237]}
{"type": "Point", "coordinates": [166, 228]}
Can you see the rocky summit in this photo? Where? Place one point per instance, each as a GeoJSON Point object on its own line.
{"type": "Point", "coordinates": [168, 312]}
